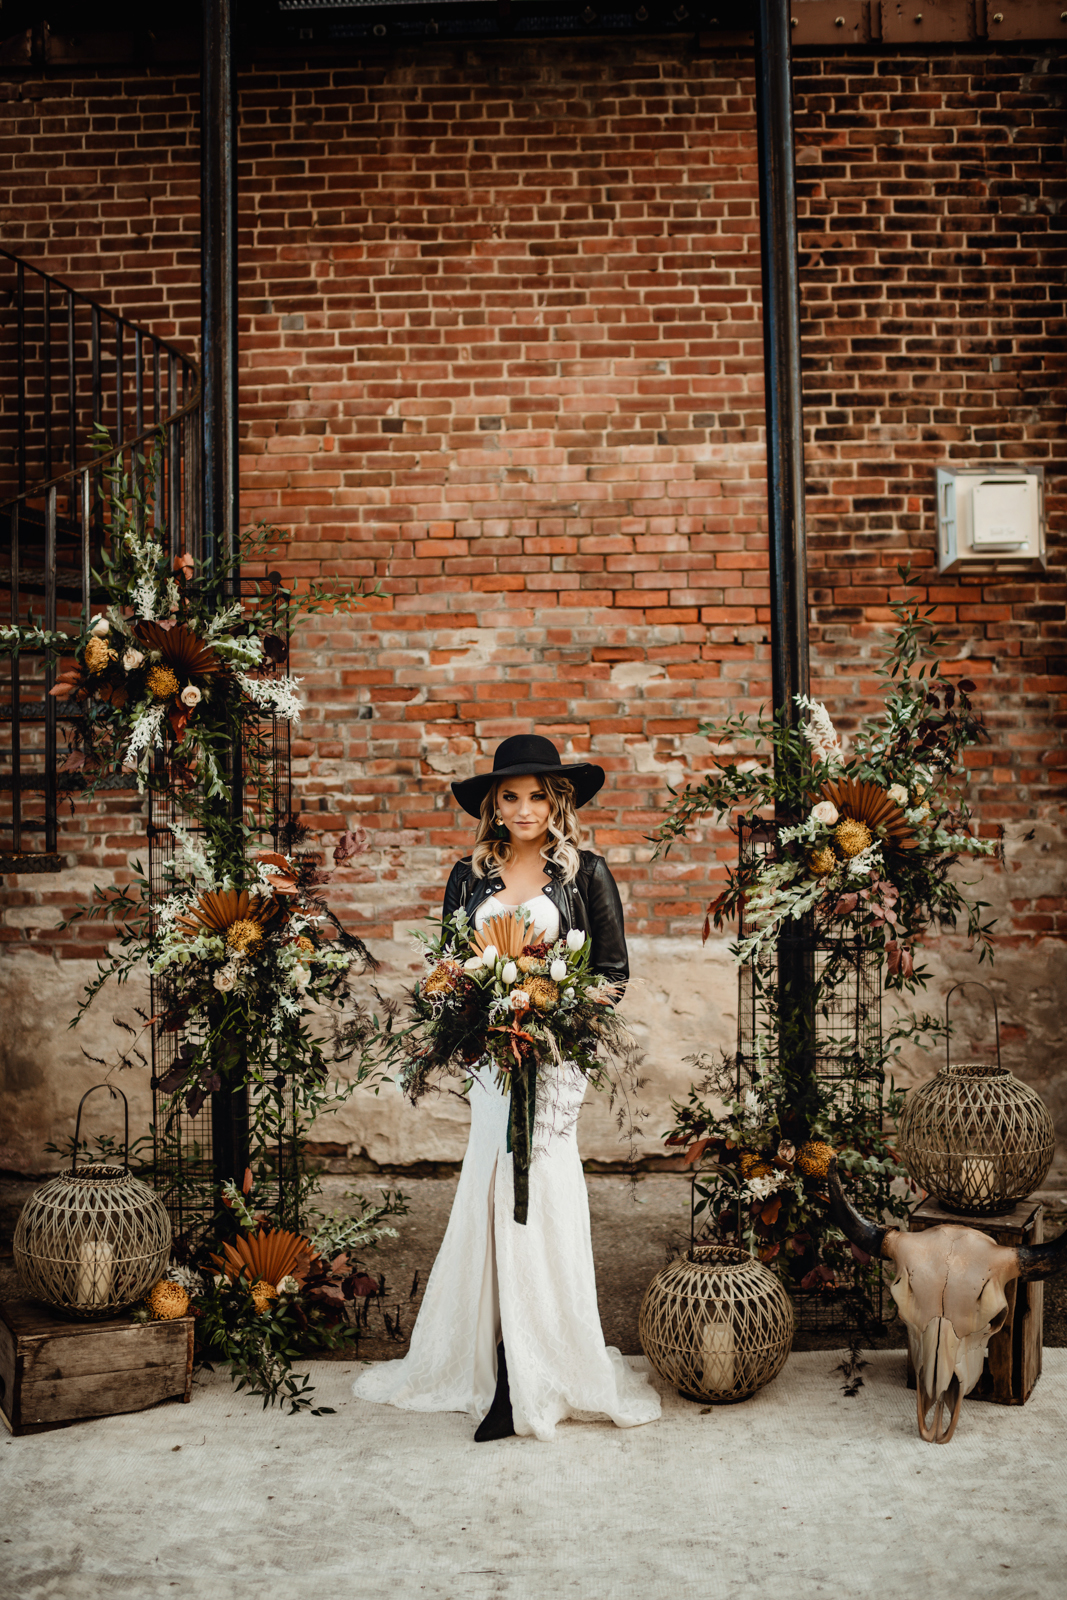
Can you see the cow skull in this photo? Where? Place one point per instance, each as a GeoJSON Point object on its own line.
{"type": "Point", "coordinates": [950, 1291]}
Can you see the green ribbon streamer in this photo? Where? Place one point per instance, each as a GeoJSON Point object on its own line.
{"type": "Point", "coordinates": [520, 1129]}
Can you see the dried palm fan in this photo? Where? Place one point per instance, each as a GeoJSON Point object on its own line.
{"type": "Point", "coordinates": [180, 649]}
{"type": "Point", "coordinates": [508, 934]}
{"type": "Point", "coordinates": [268, 1256]}
{"type": "Point", "coordinates": [241, 918]}
{"type": "Point", "coordinates": [869, 803]}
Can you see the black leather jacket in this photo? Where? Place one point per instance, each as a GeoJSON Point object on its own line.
{"type": "Point", "coordinates": [590, 902]}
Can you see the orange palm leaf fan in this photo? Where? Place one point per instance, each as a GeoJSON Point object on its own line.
{"type": "Point", "coordinates": [509, 934]}
{"type": "Point", "coordinates": [219, 909]}
{"type": "Point", "coordinates": [869, 803]}
{"type": "Point", "coordinates": [181, 650]}
{"type": "Point", "coordinates": [271, 1255]}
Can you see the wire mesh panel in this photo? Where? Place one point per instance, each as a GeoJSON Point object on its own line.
{"type": "Point", "coordinates": [200, 1138]}
{"type": "Point", "coordinates": [844, 1052]}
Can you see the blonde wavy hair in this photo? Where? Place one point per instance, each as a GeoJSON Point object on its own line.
{"type": "Point", "coordinates": [564, 831]}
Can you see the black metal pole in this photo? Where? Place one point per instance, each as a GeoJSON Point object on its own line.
{"type": "Point", "coordinates": [781, 356]}
{"type": "Point", "coordinates": [218, 284]}
{"type": "Point", "coordinates": [785, 503]}
{"type": "Point", "coordinates": [219, 523]}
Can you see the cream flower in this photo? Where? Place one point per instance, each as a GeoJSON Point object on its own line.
{"type": "Point", "coordinates": [224, 979]}
{"type": "Point", "coordinates": [100, 626]}
{"type": "Point", "coordinates": [520, 1000]}
{"type": "Point", "coordinates": [473, 964]}
{"type": "Point", "coordinates": [289, 1285]}
{"type": "Point", "coordinates": [825, 812]}
{"type": "Point", "coordinates": [897, 792]}
{"type": "Point", "coordinates": [190, 696]}
{"type": "Point", "coordinates": [132, 660]}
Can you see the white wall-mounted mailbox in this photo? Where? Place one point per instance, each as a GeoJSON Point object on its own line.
{"type": "Point", "coordinates": [992, 521]}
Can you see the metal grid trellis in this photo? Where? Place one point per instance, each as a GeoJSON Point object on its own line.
{"type": "Point", "coordinates": [846, 1032]}
{"type": "Point", "coordinates": [187, 1147]}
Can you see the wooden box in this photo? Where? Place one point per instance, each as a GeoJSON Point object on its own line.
{"type": "Point", "coordinates": [1013, 1361]}
{"type": "Point", "coordinates": [55, 1371]}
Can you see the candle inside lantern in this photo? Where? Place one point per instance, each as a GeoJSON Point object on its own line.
{"type": "Point", "coordinates": [979, 1175]}
{"type": "Point", "coordinates": [718, 1351]}
{"type": "Point", "coordinates": [92, 1285]}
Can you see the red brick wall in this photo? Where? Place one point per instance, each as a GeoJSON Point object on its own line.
{"type": "Point", "coordinates": [501, 351]}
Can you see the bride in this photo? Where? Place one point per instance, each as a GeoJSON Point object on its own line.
{"type": "Point", "coordinates": [509, 1329]}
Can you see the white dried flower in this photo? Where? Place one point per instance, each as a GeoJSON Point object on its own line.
{"type": "Point", "coordinates": [761, 1188]}
{"type": "Point", "coordinates": [132, 660]}
{"type": "Point", "coordinates": [190, 696]}
{"type": "Point", "coordinates": [575, 939]}
{"type": "Point", "coordinates": [752, 1106]}
{"type": "Point", "coordinates": [898, 793]}
{"type": "Point", "coordinates": [100, 627]}
{"type": "Point", "coordinates": [509, 972]}
{"type": "Point", "coordinates": [820, 732]}
{"type": "Point", "coordinates": [558, 970]}
{"type": "Point", "coordinates": [289, 1285]}
{"type": "Point", "coordinates": [825, 812]}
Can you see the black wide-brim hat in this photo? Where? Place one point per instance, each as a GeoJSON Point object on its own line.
{"type": "Point", "coordinates": [528, 755]}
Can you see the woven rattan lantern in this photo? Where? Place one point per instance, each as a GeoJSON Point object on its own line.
{"type": "Point", "coordinates": [716, 1324]}
{"type": "Point", "coordinates": [975, 1136]}
{"type": "Point", "coordinates": [94, 1240]}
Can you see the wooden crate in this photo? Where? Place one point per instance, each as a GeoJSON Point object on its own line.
{"type": "Point", "coordinates": [1013, 1360]}
{"type": "Point", "coordinates": [54, 1371]}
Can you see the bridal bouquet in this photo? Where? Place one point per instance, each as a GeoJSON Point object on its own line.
{"type": "Point", "coordinates": [503, 994]}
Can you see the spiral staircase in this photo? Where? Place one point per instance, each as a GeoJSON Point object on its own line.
{"type": "Point", "coordinates": [70, 368]}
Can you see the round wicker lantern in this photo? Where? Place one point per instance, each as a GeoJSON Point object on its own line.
{"type": "Point", "coordinates": [94, 1240]}
{"type": "Point", "coordinates": [976, 1137]}
{"type": "Point", "coordinates": [716, 1324]}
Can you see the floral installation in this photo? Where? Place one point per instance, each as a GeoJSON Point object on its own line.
{"type": "Point", "coordinates": [244, 947]}
{"type": "Point", "coordinates": [270, 1296]}
{"type": "Point", "coordinates": [782, 1165]}
{"type": "Point", "coordinates": [503, 993]}
{"type": "Point", "coordinates": [848, 852]}
{"type": "Point", "coordinates": [862, 843]}
{"type": "Point", "coordinates": [173, 666]}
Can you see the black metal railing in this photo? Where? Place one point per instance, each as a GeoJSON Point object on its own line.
{"type": "Point", "coordinates": [70, 368]}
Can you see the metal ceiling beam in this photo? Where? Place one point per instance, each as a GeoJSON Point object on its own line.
{"type": "Point", "coordinates": [781, 355]}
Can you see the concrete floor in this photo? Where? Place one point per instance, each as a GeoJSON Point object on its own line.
{"type": "Point", "coordinates": [799, 1493]}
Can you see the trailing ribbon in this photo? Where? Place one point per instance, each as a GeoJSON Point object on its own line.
{"type": "Point", "coordinates": [521, 1116]}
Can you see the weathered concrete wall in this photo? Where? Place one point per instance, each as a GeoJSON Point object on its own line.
{"type": "Point", "coordinates": [682, 1000]}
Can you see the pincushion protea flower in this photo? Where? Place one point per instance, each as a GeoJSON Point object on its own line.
{"type": "Point", "coordinates": [267, 1256]}
{"type": "Point", "coordinates": [179, 649]}
{"type": "Point", "coordinates": [870, 804]}
{"type": "Point", "coordinates": [241, 918]}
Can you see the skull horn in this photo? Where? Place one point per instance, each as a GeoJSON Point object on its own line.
{"type": "Point", "coordinates": [1042, 1260]}
{"type": "Point", "coordinates": [843, 1214]}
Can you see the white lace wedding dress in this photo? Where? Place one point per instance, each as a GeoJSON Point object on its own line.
{"type": "Point", "coordinates": [531, 1285]}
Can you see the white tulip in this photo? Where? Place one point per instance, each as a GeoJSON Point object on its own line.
{"type": "Point", "coordinates": [490, 955]}
{"type": "Point", "coordinates": [473, 964]}
{"type": "Point", "coordinates": [558, 970]}
{"type": "Point", "coordinates": [575, 939]}
{"type": "Point", "coordinates": [510, 972]}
